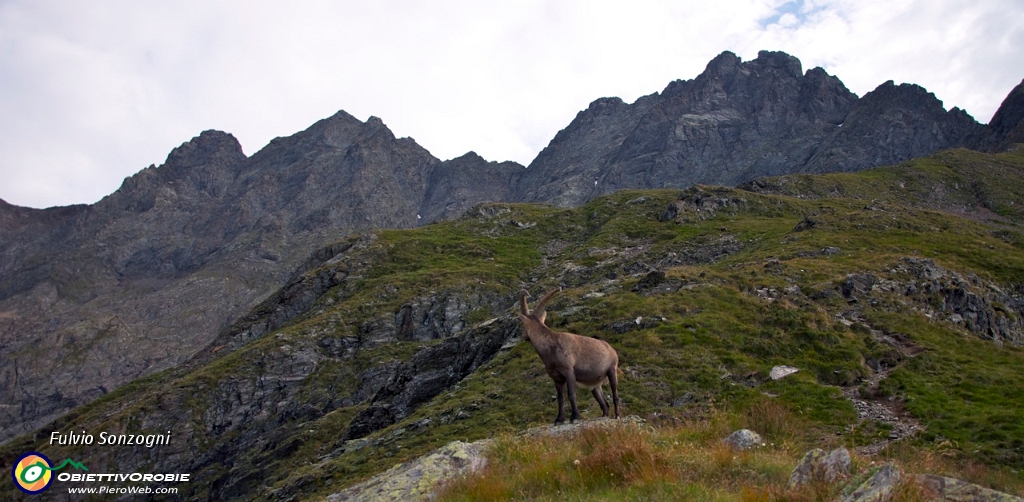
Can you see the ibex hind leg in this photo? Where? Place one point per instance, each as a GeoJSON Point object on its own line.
{"type": "Point", "coordinates": [613, 382]}
{"type": "Point", "coordinates": [596, 391]}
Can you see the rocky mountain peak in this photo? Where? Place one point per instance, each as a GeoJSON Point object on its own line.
{"type": "Point", "coordinates": [777, 61]}
{"type": "Point", "coordinates": [12, 216]}
{"type": "Point", "coordinates": [1006, 127]}
{"type": "Point", "coordinates": [375, 128]}
{"type": "Point", "coordinates": [334, 132]}
{"type": "Point", "coordinates": [724, 63]}
{"type": "Point", "coordinates": [210, 146]}
{"type": "Point", "coordinates": [200, 168]}
{"type": "Point", "coordinates": [455, 185]}
{"type": "Point", "coordinates": [1010, 114]}
{"type": "Point", "coordinates": [737, 121]}
{"type": "Point", "coordinates": [606, 105]}
{"type": "Point", "coordinates": [888, 94]}
{"type": "Point", "coordinates": [888, 125]}
{"type": "Point", "coordinates": [726, 72]}
{"type": "Point", "coordinates": [469, 156]}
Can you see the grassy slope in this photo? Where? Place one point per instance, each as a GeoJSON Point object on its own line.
{"type": "Point", "coordinates": [713, 339]}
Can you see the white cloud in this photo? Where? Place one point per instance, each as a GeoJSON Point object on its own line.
{"type": "Point", "coordinates": [91, 92]}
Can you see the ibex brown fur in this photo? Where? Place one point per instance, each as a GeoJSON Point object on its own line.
{"type": "Point", "coordinates": [571, 360]}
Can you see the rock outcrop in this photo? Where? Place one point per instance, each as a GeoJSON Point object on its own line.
{"type": "Point", "coordinates": [419, 478]}
{"type": "Point", "coordinates": [430, 372]}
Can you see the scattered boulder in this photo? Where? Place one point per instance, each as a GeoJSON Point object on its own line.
{"type": "Point", "coordinates": [744, 439]}
{"type": "Point", "coordinates": [858, 284]}
{"type": "Point", "coordinates": [878, 488]}
{"type": "Point", "coordinates": [820, 466]}
{"type": "Point", "coordinates": [955, 489]}
{"type": "Point", "coordinates": [780, 372]}
{"type": "Point", "coordinates": [651, 280]}
{"type": "Point", "coordinates": [670, 212]}
{"type": "Point", "coordinates": [805, 224]}
{"type": "Point", "coordinates": [683, 401]}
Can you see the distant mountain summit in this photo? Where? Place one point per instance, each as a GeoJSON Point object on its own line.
{"type": "Point", "coordinates": [94, 296]}
{"type": "Point", "coordinates": [735, 122]}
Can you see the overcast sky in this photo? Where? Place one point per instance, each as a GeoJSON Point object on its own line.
{"type": "Point", "coordinates": [92, 92]}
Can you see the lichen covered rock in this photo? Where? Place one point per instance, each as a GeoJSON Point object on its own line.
{"type": "Point", "coordinates": [417, 479]}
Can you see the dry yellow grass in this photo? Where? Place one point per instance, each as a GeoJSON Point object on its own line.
{"type": "Point", "coordinates": [686, 461]}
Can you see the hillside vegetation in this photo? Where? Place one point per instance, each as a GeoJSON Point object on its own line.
{"type": "Point", "coordinates": [900, 287]}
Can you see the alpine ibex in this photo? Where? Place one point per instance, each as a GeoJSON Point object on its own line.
{"type": "Point", "coordinates": [571, 360]}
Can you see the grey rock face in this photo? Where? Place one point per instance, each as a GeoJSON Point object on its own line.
{"type": "Point", "coordinates": [1006, 127]}
{"type": "Point", "coordinates": [888, 125]}
{"type": "Point", "coordinates": [858, 284]}
{"type": "Point", "coordinates": [430, 372]}
{"type": "Point", "coordinates": [567, 171]}
{"type": "Point", "coordinates": [735, 122]}
{"type": "Point", "coordinates": [456, 185]}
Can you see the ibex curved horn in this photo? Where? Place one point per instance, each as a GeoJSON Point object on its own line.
{"type": "Point", "coordinates": [523, 307]}
{"type": "Point", "coordinates": [544, 300]}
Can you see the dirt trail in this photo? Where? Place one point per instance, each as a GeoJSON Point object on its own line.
{"type": "Point", "coordinates": [876, 408]}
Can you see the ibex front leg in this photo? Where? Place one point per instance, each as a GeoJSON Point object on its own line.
{"type": "Point", "coordinates": [560, 389]}
{"type": "Point", "coordinates": [570, 383]}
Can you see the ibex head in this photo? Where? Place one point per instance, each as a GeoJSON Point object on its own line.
{"type": "Point", "coordinates": [539, 315]}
